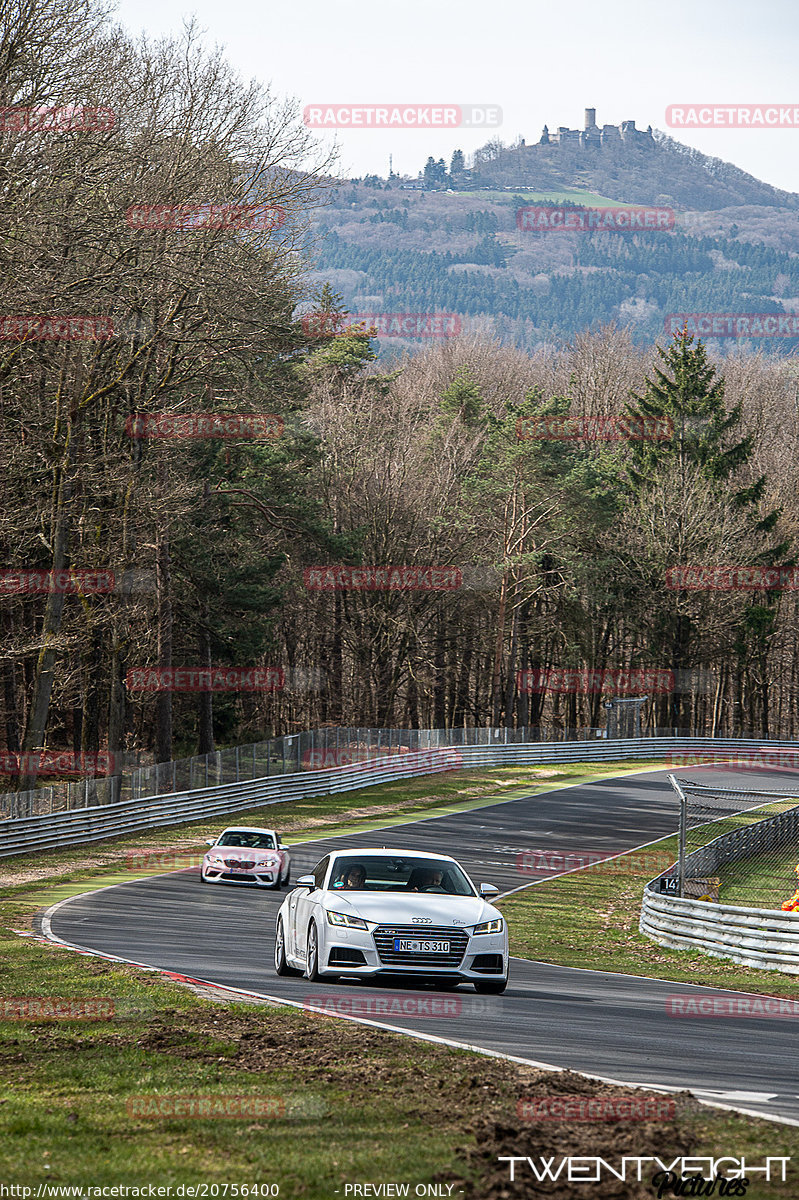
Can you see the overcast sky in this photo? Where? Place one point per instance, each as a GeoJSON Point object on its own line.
{"type": "Point", "coordinates": [538, 62]}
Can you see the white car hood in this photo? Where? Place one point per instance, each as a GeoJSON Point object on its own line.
{"type": "Point", "coordinates": [400, 908]}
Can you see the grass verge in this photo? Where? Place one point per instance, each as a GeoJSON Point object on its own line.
{"type": "Point", "coordinates": [93, 1103]}
{"type": "Point", "coordinates": [589, 919]}
{"type": "Point", "coordinates": [319, 816]}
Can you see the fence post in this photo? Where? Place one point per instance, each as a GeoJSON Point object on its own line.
{"type": "Point", "coordinates": [683, 824]}
{"type": "Point", "coordinates": [237, 764]}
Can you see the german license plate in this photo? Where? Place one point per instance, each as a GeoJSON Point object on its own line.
{"type": "Point", "coordinates": [420, 946]}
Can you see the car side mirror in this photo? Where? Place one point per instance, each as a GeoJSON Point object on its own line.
{"type": "Point", "coordinates": [306, 881]}
{"type": "Point", "coordinates": [210, 841]}
{"type": "Point", "coordinates": [487, 890]}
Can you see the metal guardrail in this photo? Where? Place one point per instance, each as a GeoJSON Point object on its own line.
{"type": "Point", "coordinates": [756, 937]}
{"type": "Point", "coordinates": [27, 834]}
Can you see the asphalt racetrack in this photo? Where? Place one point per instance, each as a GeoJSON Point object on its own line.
{"type": "Point", "coordinates": [615, 1026]}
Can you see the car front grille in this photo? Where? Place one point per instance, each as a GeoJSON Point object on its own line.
{"type": "Point", "coordinates": [384, 941]}
{"type": "Point", "coordinates": [239, 877]}
{"type": "Point", "coordinates": [237, 862]}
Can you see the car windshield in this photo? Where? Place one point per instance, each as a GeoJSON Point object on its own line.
{"type": "Point", "coordinates": [247, 837]}
{"type": "Point", "coordinates": [433, 876]}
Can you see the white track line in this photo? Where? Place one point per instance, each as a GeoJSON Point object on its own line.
{"type": "Point", "coordinates": [428, 1037]}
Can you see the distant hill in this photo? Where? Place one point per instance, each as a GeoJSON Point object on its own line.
{"type": "Point", "coordinates": [734, 248]}
{"type": "Point", "coordinates": [640, 171]}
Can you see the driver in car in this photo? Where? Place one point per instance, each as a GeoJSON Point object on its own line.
{"type": "Point", "coordinates": [426, 880]}
{"type": "Point", "coordinates": [354, 878]}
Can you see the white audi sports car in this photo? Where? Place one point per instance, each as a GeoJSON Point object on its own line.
{"type": "Point", "coordinates": [243, 854]}
{"type": "Point", "coordinates": [392, 912]}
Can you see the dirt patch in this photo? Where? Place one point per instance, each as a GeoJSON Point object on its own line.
{"type": "Point", "coordinates": [484, 1102]}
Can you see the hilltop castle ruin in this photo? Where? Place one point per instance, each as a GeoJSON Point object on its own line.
{"type": "Point", "coordinates": [593, 135]}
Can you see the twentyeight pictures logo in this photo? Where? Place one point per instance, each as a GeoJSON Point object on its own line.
{"type": "Point", "coordinates": [402, 116]}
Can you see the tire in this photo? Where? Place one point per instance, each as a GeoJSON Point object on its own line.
{"type": "Point", "coordinates": [312, 971]}
{"type": "Point", "coordinates": [287, 881]}
{"type": "Point", "coordinates": [490, 987]}
{"type": "Point", "coordinates": [281, 966]}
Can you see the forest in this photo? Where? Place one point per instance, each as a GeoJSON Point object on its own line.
{"type": "Point", "coordinates": [218, 526]}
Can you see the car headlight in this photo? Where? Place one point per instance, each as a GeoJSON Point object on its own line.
{"type": "Point", "coordinates": [337, 918]}
{"type": "Point", "coordinates": [495, 926]}
{"type": "Point", "coordinates": [215, 860]}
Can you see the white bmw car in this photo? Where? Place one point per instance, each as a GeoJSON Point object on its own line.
{"type": "Point", "coordinates": [244, 854]}
{"type": "Point", "coordinates": [392, 912]}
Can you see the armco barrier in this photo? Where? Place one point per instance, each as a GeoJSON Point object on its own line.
{"type": "Point", "coordinates": [20, 835]}
{"type": "Point", "coordinates": [757, 937]}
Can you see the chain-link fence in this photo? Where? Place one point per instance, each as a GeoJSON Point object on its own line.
{"type": "Point", "coordinates": [736, 846]}
{"type": "Point", "coordinates": [311, 750]}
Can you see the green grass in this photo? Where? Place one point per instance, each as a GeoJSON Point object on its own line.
{"type": "Point", "coordinates": [375, 807]}
{"type": "Point", "coordinates": [360, 1105]}
{"type": "Point", "coordinates": [589, 919]}
{"type": "Point", "coordinates": [762, 881]}
{"type": "Point", "coordinates": [557, 196]}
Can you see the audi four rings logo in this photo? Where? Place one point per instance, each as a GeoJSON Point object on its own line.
{"type": "Point", "coordinates": [423, 920]}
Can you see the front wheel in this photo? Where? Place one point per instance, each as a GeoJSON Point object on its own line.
{"type": "Point", "coordinates": [281, 965]}
{"type": "Point", "coordinates": [312, 971]}
{"type": "Point", "coordinates": [491, 987]}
